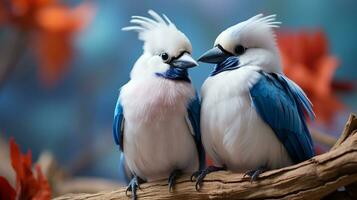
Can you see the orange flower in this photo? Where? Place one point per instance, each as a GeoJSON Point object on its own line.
{"type": "Point", "coordinates": [22, 13]}
{"type": "Point", "coordinates": [306, 60]}
{"type": "Point", "coordinates": [28, 186]}
{"type": "Point", "coordinates": [53, 44]}
{"type": "Point", "coordinates": [51, 27]}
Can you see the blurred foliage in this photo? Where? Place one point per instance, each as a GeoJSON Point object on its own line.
{"type": "Point", "coordinates": [50, 26]}
{"type": "Point", "coordinates": [307, 61]}
{"type": "Point", "coordinates": [28, 186]}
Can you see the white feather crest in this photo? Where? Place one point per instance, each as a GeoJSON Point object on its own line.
{"type": "Point", "coordinates": [145, 24]}
{"type": "Point", "coordinates": [262, 22]}
{"type": "Point", "coordinates": [269, 21]}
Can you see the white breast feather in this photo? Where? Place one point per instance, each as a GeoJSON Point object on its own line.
{"type": "Point", "coordinates": [157, 139]}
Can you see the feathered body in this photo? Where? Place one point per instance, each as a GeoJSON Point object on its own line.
{"type": "Point", "coordinates": [157, 139]}
{"type": "Point", "coordinates": [233, 133]}
{"type": "Point", "coordinates": [237, 132]}
{"type": "Point", "coordinates": [154, 122]}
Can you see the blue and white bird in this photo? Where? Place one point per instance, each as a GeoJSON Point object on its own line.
{"type": "Point", "coordinates": [157, 116]}
{"type": "Point", "coordinates": [252, 115]}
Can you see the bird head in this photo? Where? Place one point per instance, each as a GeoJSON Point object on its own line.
{"type": "Point", "coordinates": [249, 43]}
{"type": "Point", "coordinates": [167, 51]}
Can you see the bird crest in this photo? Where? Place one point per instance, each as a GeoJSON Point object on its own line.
{"type": "Point", "coordinates": [257, 31]}
{"type": "Point", "coordinates": [263, 22]}
{"type": "Point", "coordinates": [268, 21]}
{"type": "Point", "coordinates": [158, 33]}
{"type": "Point", "coordinates": [146, 26]}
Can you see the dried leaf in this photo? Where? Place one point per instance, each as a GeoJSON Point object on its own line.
{"type": "Point", "coordinates": [6, 190]}
{"type": "Point", "coordinates": [44, 191]}
{"type": "Point", "coordinates": [28, 187]}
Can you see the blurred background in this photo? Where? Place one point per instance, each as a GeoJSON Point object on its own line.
{"type": "Point", "coordinates": [61, 65]}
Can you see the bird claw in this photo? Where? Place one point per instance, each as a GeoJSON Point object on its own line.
{"type": "Point", "coordinates": [126, 191]}
{"type": "Point", "coordinates": [132, 187]}
{"type": "Point", "coordinates": [254, 173]}
{"type": "Point", "coordinates": [195, 175]}
{"type": "Point", "coordinates": [172, 179]}
{"type": "Point", "coordinates": [201, 174]}
{"type": "Point", "coordinates": [199, 179]}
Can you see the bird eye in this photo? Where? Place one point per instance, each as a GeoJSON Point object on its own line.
{"type": "Point", "coordinates": [164, 56]}
{"type": "Point", "coordinates": [239, 49]}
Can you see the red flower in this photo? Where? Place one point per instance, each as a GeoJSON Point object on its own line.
{"type": "Point", "coordinates": [306, 60]}
{"type": "Point", "coordinates": [22, 13]}
{"type": "Point", "coordinates": [28, 186]}
{"type": "Point", "coordinates": [51, 27]}
{"type": "Point", "coordinates": [53, 42]}
{"type": "Point", "coordinates": [6, 191]}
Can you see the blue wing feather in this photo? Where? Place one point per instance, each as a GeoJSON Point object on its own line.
{"type": "Point", "coordinates": [117, 124]}
{"type": "Point", "coordinates": [193, 110]}
{"type": "Point", "coordinates": [281, 104]}
{"type": "Point", "coordinates": [118, 133]}
{"type": "Point", "coordinates": [298, 95]}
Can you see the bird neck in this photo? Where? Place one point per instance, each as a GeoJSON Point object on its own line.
{"type": "Point", "coordinates": [177, 74]}
{"type": "Point", "coordinates": [230, 63]}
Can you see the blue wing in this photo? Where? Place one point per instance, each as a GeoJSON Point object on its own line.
{"type": "Point", "coordinates": [118, 124]}
{"type": "Point", "coordinates": [281, 104]}
{"type": "Point", "coordinates": [118, 132]}
{"type": "Point", "coordinates": [194, 112]}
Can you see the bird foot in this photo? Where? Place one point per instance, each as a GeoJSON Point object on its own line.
{"type": "Point", "coordinates": [132, 186]}
{"type": "Point", "coordinates": [201, 174]}
{"type": "Point", "coordinates": [172, 179]}
{"type": "Point", "coordinates": [254, 173]}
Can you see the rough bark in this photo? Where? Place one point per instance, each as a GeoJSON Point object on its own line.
{"type": "Point", "coordinates": [316, 178]}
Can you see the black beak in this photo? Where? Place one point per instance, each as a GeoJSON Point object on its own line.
{"type": "Point", "coordinates": [184, 61]}
{"type": "Point", "coordinates": [215, 55]}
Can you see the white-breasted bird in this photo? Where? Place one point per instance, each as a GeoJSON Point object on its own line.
{"type": "Point", "coordinates": [157, 116]}
{"type": "Point", "coordinates": [252, 116]}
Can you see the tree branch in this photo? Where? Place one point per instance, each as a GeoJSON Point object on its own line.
{"type": "Point", "coordinates": [350, 127]}
{"type": "Point", "coordinates": [313, 179]}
